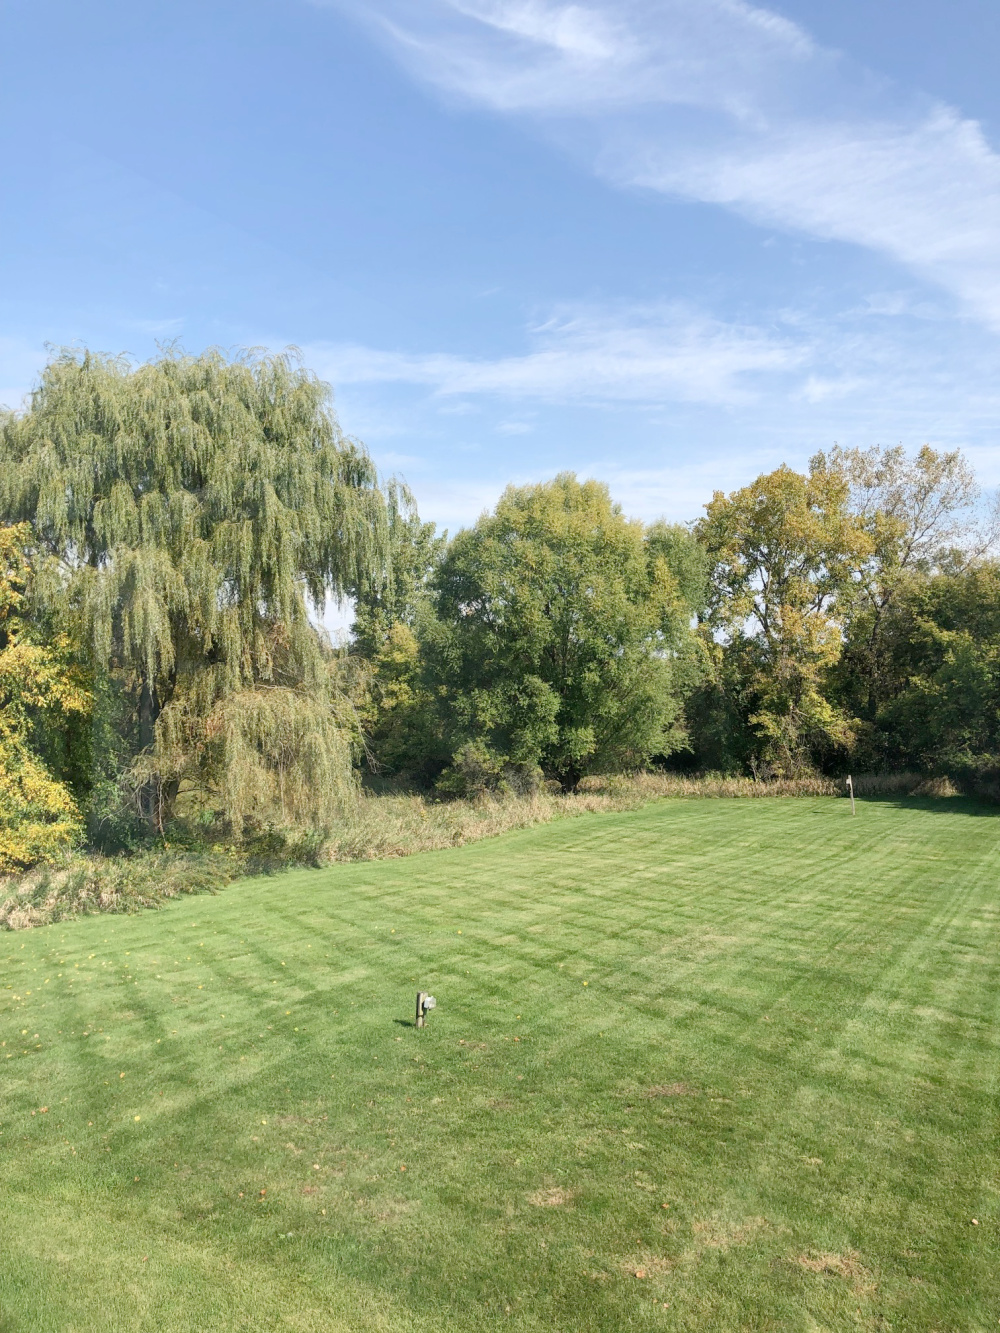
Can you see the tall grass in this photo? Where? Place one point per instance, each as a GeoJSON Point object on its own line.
{"type": "Point", "coordinates": [378, 827]}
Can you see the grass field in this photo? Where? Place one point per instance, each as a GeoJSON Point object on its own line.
{"type": "Point", "coordinates": [709, 1065]}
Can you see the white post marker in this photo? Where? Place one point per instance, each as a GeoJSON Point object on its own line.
{"type": "Point", "coordinates": [850, 788]}
{"type": "Point", "coordinates": [424, 1004]}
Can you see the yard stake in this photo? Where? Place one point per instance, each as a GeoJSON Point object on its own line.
{"type": "Point", "coordinates": [850, 788]}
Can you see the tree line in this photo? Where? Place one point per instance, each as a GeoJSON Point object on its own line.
{"type": "Point", "coordinates": [171, 532]}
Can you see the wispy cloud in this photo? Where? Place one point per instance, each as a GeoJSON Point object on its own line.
{"type": "Point", "coordinates": [647, 355]}
{"type": "Point", "coordinates": [454, 503]}
{"type": "Point", "coordinates": [158, 328]}
{"type": "Point", "coordinates": [680, 491]}
{"type": "Point", "coordinates": [715, 398]}
{"type": "Point", "coordinates": [728, 103]}
{"type": "Point", "coordinates": [519, 55]}
{"type": "Point", "coordinates": [676, 492]}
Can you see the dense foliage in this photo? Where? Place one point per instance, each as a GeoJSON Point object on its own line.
{"type": "Point", "coordinates": [192, 509]}
{"type": "Point", "coordinates": [170, 534]}
{"type": "Point", "coordinates": [42, 693]}
{"type": "Point", "coordinates": [558, 636]}
{"type": "Point", "coordinates": [784, 551]}
{"type": "Point", "coordinates": [940, 647]}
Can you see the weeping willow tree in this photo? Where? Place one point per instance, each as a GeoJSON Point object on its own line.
{"type": "Point", "coordinates": [194, 509]}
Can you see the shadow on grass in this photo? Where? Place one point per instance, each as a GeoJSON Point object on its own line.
{"type": "Point", "coordinates": [936, 805]}
{"type": "Point", "coordinates": [403, 1023]}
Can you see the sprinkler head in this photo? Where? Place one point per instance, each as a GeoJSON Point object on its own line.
{"type": "Point", "coordinates": [425, 1003]}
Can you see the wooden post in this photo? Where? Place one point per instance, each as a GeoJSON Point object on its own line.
{"type": "Point", "coordinates": [420, 1009]}
{"type": "Point", "coordinates": [850, 788]}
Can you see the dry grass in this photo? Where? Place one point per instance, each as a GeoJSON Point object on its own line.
{"type": "Point", "coordinates": [713, 1234]}
{"type": "Point", "coordinates": [551, 1198]}
{"type": "Point", "coordinates": [87, 884]}
{"type": "Point", "coordinates": [649, 1264]}
{"type": "Point", "coordinates": [718, 1234]}
{"type": "Point", "coordinates": [387, 826]}
{"type": "Point", "coordinates": [718, 786]}
{"type": "Point", "coordinates": [847, 1266]}
{"type": "Point", "coordinates": [379, 827]}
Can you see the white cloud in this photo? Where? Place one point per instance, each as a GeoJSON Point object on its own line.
{"type": "Point", "coordinates": [927, 194]}
{"type": "Point", "coordinates": [454, 504]}
{"type": "Point", "coordinates": [699, 404]}
{"type": "Point", "coordinates": [158, 328]}
{"type": "Point", "coordinates": [677, 492]}
{"type": "Point", "coordinates": [390, 461]}
{"type": "Point", "coordinates": [728, 103]}
{"type": "Point", "coordinates": [542, 55]}
{"type": "Point", "coordinates": [824, 388]}
{"type": "Point", "coordinates": [877, 372]}
{"type": "Point", "coordinates": [649, 355]}
{"type": "Point", "coordinates": [680, 492]}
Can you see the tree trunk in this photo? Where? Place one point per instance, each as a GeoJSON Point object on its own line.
{"type": "Point", "coordinates": [150, 796]}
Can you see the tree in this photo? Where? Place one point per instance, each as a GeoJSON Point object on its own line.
{"type": "Point", "coordinates": [918, 515]}
{"type": "Point", "coordinates": [42, 690]}
{"type": "Point", "coordinates": [196, 507]}
{"type": "Point", "coordinates": [557, 634]}
{"type": "Point", "coordinates": [941, 660]}
{"type": "Point", "coordinates": [689, 565]}
{"type": "Point", "coordinates": [784, 552]}
{"type": "Point", "coordinates": [404, 737]}
{"type": "Point", "coordinates": [395, 592]}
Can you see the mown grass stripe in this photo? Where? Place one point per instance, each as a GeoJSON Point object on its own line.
{"type": "Point", "coordinates": [815, 990]}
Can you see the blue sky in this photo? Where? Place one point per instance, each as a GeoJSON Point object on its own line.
{"type": "Point", "coordinates": [669, 243]}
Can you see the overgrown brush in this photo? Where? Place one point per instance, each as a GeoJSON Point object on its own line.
{"type": "Point", "coordinates": [86, 884]}
{"type": "Point", "coordinates": [713, 785]}
{"type": "Point", "coordinates": [382, 826]}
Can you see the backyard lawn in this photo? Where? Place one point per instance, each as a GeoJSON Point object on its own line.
{"type": "Point", "coordinates": [712, 1065]}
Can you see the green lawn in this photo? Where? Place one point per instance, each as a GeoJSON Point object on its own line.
{"type": "Point", "coordinates": [712, 1065]}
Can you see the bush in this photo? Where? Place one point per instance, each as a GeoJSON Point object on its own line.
{"type": "Point", "coordinates": [476, 772]}
{"type": "Point", "coordinates": [38, 817]}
